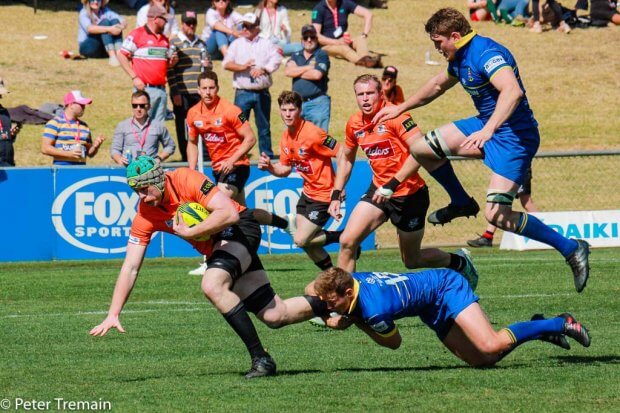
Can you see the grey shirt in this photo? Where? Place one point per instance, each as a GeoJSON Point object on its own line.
{"type": "Point", "coordinates": [129, 134]}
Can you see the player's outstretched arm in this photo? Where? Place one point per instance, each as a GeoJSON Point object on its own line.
{"type": "Point", "coordinates": [392, 341]}
{"type": "Point", "coordinates": [124, 285]}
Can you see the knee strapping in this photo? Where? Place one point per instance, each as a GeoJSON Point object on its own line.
{"type": "Point", "coordinates": [227, 262]}
{"type": "Point", "coordinates": [495, 196]}
{"type": "Point", "coordinates": [436, 142]}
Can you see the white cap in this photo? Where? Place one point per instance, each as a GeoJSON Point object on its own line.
{"type": "Point", "coordinates": [250, 18]}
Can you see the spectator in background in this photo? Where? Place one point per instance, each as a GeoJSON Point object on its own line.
{"type": "Point", "coordinates": [514, 11]}
{"type": "Point", "coordinates": [556, 17]}
{"type": "Point", "coordinates": [253, 59]}
{"type": "Point", "coordinates": [604, 12]}
{"type": "Point", "coordinates": [67, 140]}
{"type": "Point", "coordinates": [309, 69]}
{"type": "Point", "coordinates": [330, 17]}
{"type": "Point", "coordinates": [221, 24]}
{"type": "Point", "coordinates": [275, 26]}
{"type": "Point", "coordinates": [139, 135]}
{"type": "Point", "coordinates": [183, 77]}
{"type": "Point", "coordinates": [171, 28]}
{"type": "Point", "coordinates": [391, 91]}
{"type": "Point", "coordinates": [145, 58]}
{"type": "Point", "coordinates": [100, 30]}
{"type": "Point", "coordinates": [478, 10]}
{"type": "Point", "coordinates": [8, 132]}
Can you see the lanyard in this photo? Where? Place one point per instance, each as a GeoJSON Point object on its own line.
{"type": "Point", "coordinates": [141, 140]}
{"type": "Point", "coordinates": [275, 21]}
{"type": "Point", "coordinates": [334, 13]}
{"type": "Point", "coordinates": [77, 121]}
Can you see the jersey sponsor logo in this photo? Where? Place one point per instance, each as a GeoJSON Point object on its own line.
{"type": "Point", "coordinates": [302, 152]}
{"type": "Point", "coordinates": [215, 138]}
{"type": "Point", "coordinates": [242, 118]}
{"type": "Point", "coordinates": [207, 186]}
{"type": "Point", "coordinates": [494, 62]}
{"type": "Point", "coordinates": [330, 142]}
{"type": "Point", "coordinates": [359, 134]}
{"type": "Point", "coordinates": [378, 150]}
{"type": "Point", "coordinates": [218, 122]}
{"type": "Point", "coordinates": [409, 124]}
{"type": "Point", "coordinates": [169, 223]}
{"type": "Point", "coordinates": [313, 215]}
{"type": "Point", "coordinates": [380, 327]}
{"type": "Point", "coordinates": [95, 214]}
{"type": "Point", "coordinates": [134, 240]}
{"type": "Point", "coordinates": [198, 123]}
{"type": "Point", "coordinates": [303, 166]}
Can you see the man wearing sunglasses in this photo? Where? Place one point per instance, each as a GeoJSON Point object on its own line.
{"type": "Point", "coordinates": [253, 59]}
{"type": "Point", "coordinates": [140, 135]}
{"type": "Point", "coordinates": [145, 58]}
{"type": "Point", "coordinates": [309, 69]}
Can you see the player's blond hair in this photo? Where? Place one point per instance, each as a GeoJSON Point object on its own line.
{"type": "Point", "coordinates": [447, 21]}
{"type": "Point", "coordinates": [333, 280]}
{"type": "Point", "coordinates": [368, 78]}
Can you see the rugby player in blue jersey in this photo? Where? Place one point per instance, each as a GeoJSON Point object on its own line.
{"type": "Point", "coordinates": [504, 133]}
{"type": "Point", "coordinates": [444, 301]}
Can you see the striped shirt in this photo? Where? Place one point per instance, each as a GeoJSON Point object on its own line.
{"type": "Point", "coordinates": [183, 77]}
{"type": "Point", "coordinates": [148, 53]}
{"type": "Point", "coordinates": [66, 134]}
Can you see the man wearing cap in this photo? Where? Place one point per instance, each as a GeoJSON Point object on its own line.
{"type": "Point", "coordinates": [253, 59]}
{"type": "Point", "coordinates": [330, 19]}
{"type": "Point", "coordinates": [183, 77]}
{"type": "Point", "coordinates": [8, 132]}
{"type": "Point", "coordinates": [309, 69]}
{"type": "Point", "coordinates": [140, 135]}
{"type": "Point", "coordinates": [67, 139]}
{"type": "Point", "coordinates": [145, 57]}
{"type": "Point", "coordinates": [235, 281]}
{"type": "Point", "coordinates": [391, 91]}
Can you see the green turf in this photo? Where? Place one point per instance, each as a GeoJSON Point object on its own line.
{"type": "Point", "coordinates": [179, 355]}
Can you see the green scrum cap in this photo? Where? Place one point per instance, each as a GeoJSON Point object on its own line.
{"type": "Point", "coordinates": [144, 171]}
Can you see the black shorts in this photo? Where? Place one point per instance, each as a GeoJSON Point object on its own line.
{"type": "Point", "coordinates": [237, 177]}
{"type": "Point", "coordinates": [526, 187]}
{"type": "Point", "coordinates": [246, 232]}
{"type": "Point", "coordinates": [407, 213]}
{"type": "Point", "coordinates": [314, 211]}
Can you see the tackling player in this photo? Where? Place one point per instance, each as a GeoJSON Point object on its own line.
{"type": "Point", "coordinates": [309, 149]}
{"type": "Point", "coordinates": [396, 192]}
{"type": "Point", "coordinates": [235, 281]}
{"type": "Point", "coordinates": [444, 302]}
{"type": "Point", "coordinates": [504, 133]}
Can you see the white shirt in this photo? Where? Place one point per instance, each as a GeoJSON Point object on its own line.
{"type": "Point", "coordinates": [265, 55]}
{"type": "Point", "coordinates": [213, 16]}
{"type": "Point", "coordinates": [270, 26]}
{"type": "Point", "coordinates": [171, 28]}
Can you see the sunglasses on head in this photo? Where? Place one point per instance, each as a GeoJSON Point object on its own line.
{"type": "Point", "coordinates": [140, 105]}
{"type": "Point", "coordinates": [94, 1]}
{"type": "Point", "coordinates": [220, 1]}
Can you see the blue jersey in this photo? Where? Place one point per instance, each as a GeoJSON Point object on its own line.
{"type": "Point", "coordinates": [477, 60]}
{"type": "Point", "coordinates": [437, 296]}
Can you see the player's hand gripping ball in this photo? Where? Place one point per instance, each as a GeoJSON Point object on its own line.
{"type": "Point", "coordinates": [193, 213]}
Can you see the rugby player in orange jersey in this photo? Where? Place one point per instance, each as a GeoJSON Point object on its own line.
{"type": "Point", "coordinates": [396, 192]}
{"type": "Point", "coordinates": [309, 149]}
{"type": "Point", "coordinates": [235, 281]}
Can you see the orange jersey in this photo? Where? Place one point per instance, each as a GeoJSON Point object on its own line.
{"type": "Point", "coordinates": [219, 128]}
{"type": "Point", "coordinates": [395, 96]}
{"type": "Point", "coordinates": [384, 145]}
{"type": "Point", "coordinates": [182, 185]}
{"type": "Point", "coordinates": [310, 152]}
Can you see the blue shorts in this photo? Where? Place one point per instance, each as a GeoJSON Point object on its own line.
{"type": "Point", "coordinates": [454, 296]}
{"type": "Point", "coordinates": [509, 152]}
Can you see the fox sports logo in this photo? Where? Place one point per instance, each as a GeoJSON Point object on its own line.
{"type": "Point", "coordinates": [95, 214]}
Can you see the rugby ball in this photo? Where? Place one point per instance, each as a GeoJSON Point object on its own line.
{"type": "Point", "coordinates": [193, 213]}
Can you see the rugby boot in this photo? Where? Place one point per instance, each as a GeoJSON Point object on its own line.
{"type": "Point", "coordinates": [447, 214]}
{"type": "Point", "coordinates": [555, 339]}
{"type": "Point", "coordinates": [480, 242]}
{"type": "Point", "coordinates": [575, 330]}
{"type": "Point", "coordinates": [579, 263]}
{"type": "Point", "coordinates": [261, 367]}
{"type": "Point", "coordinates": [469, 271]}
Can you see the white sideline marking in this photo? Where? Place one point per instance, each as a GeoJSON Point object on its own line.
{"type": "Point", "coordinates": [528, 295]}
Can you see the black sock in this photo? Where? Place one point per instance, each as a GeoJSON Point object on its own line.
{"type": "Point", "coordinates": [324, 264]}
{"type": "Point", "coordinates": [319, 307]}
{"type": "Point", "coordinates": [457, 263]}
{"type": "Point", "coordinates": [332, 237]}
{"type": "Point", "coordinates": [278, 222]}
{"type": "Point", "coordinates": [242, 324]}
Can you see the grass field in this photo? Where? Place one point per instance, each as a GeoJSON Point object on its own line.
{"type": "Point", "coordinates": [179, 355]}
{"type": "Point", "coordinates": [572, 81]}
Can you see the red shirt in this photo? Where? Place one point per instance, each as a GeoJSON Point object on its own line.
{"type": "Point", "coordinates": [148, 53]}
{"type": "Point", "coordinates": [384, 145]}
{"type": "Point", "coordinates": [182, 185]}
{"type": "Point", "coordinates": [219, 127]}
{"type": "Point", "coordinates": [310, 151]}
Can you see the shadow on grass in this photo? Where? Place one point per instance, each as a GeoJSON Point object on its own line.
{"type": "Point", "coordinates": [610, 359]}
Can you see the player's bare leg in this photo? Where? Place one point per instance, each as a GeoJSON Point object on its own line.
{"type": "Point", "coordinates": [311, 238]}
{"type": "Point", "coordinates": [364, 219]}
